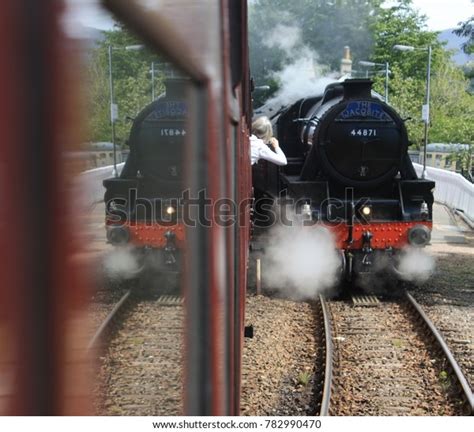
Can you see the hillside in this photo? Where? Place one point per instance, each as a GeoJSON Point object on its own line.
{"type": "Point", "coordinates": [454, 42]}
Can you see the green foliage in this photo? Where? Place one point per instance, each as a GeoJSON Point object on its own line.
{"type": "Point", "coordinates": [131, 79]}
{"type": "Point", "coordinates": [467, 29]}
{"type": "Point", "coordinates": [304, 378]}
{"type": "Point", "coordinates": [444, 380]}
{"type": "Point", "coordinates": [451, 106]}
{"type": "Point", "coordinates": [326, 27]}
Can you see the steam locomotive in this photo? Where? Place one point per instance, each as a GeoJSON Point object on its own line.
{"type": "Point", "coordinates": [142, 204]}
{"type": "Point", "coordinates": [349, 169]}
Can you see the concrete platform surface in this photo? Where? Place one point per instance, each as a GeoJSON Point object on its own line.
{"type": "Point", "coordinates": [446, 229]}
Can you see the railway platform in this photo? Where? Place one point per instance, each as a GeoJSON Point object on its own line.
{"type": "Point", "coordinates": [447, 228]}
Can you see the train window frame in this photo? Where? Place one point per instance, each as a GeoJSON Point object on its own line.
{"type": "Point", "coordinates": [205, 293]}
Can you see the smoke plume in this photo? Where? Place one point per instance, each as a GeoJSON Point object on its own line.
{"type": "Point", "coordinates": [416, 265]}
{"type": "Point", "coordinates": [121, 263]}
{"type": "Point", "coordinates": [301, 261]}
{"type": "Point", "coordinates": [303, 74]}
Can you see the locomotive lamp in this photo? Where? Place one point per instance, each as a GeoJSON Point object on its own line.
{"type": "Point", "coordinates": [366, 210]}
{"type": "Point", "coordinates": [426, 106]}
{"type": "Point", "coordinates": [424, 213]}
{"type": "Point", "coordinates": [306, 211]}
{"type": "Point", "coordinates": [170, 210]}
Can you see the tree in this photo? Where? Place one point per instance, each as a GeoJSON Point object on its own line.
{"type": "Point", "coordinates": [452, 106]}
{"type": "Point", "coordinates": [402, 25]}
{"type": "Point", "coordinates": [324, 27]}
{"type": "Point", "coordinates": [371, 31]}
{"type": "Point", "coordinates": [466, 29]}
{"type": "Point", "coordinates": [132, 84]}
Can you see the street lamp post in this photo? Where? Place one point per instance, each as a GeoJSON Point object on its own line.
{"type": "Point", "coordinates": [113, 110]}
{"type": "Point", "coordinates": [386, 69]}
{"type": "Point", "coordinates": [113, 105]}
{"type": "Point", "coordinates": [425, 113]}
{"type": "Point", "coordinates": [152, 81]}
{"type": "Point", "coordinates": [427, 110]}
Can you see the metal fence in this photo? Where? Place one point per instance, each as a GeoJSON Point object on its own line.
{"type": "Point", "coordinates": [452, 189]}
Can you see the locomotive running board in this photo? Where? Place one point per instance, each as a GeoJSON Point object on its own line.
{"type": "Point", "coordinates": [365, 300]}
{"type": "Point", "coordinates": [170, 300]}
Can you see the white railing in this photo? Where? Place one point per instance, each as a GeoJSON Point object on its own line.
{"type": "Point", "coordinates": [452, 189]}
{"type": "Point", "coordinates": [89, 184]}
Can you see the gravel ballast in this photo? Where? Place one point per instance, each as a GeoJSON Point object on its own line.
{"type": "Point", "coordinates": [279, 362]}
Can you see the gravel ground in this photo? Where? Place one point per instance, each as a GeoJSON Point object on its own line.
{"type": "Point", "coordinates": [278, 372]}
{"type": "Point", "coordinates": [383, 367]}
{"type": "Point", "coordinates": [448, 299]}
{"type": "Point", "coordinates": [141, 372]}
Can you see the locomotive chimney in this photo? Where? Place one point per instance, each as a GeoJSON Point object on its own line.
{"type": "Point", "coordinates": [176, 88]}
{"type": "Point", "coordinates": [357, 88]}
{"type": "Point", "coordinates": [346, 62]}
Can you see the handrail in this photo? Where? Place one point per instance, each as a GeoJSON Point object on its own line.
{"type": "Point", "coordinates": [451, 189]}
{"type": "Point", "coordinates": [88, 188]}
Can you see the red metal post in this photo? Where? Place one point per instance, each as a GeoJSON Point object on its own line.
{"type": "Point", "coordinates": [42, 366]}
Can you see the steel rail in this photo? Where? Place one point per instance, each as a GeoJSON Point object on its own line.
{"type": "Point", "coordinates": [108, 320]}
{"type": "Point", "coordinates": [461, 379]}
{"type": "Point", "coordinates": [326, 394]}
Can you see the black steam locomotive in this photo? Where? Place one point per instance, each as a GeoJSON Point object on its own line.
{"type": "Point", "coordinates": [142, 204]}
{"type": "Point", "coordinates": [349, 169]}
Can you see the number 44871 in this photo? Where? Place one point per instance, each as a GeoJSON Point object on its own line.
{"type": "Point", "coordinates": [364, 132]}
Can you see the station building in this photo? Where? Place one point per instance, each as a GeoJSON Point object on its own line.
{"type": "Point", "coordinates": [440, 155]}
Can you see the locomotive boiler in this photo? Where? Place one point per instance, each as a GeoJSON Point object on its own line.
{"type": "Point", "coordinates": [142, 205]}
{"type": "Point", "coordinates": [349, 169]}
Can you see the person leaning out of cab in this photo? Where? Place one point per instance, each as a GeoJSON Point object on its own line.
{"type": "Point", "coordinates": [261, 140]}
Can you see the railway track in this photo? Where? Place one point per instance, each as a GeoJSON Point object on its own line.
{"type": "Point", "coordinates": [107, 325]}
{"type": "Point", "coordinates": [140, 366]}
{"type": "Point", "coordinates": [455, 324]}
{"type": "Point", "coordinates": [387, 358]}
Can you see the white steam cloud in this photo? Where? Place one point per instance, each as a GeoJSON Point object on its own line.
{"type": "Point", "coordinates": [416, 265]}
{"type": "Point", "coordinates": [301, 262]}
{"type": "Point", "coordinates": [121, 263]}
{"type": "Point", "coordinates": [303, 75]}
{"type": "Point", "coordinates": [284, 37]}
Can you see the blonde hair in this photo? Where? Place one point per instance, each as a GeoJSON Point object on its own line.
{"type": "Point", "coordinates": [262, 128]}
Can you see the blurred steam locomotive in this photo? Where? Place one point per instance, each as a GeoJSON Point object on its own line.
{"type": "Point", "coordinates": [349, 169]}
{"type": "Point", "coordinates": [142, 204]}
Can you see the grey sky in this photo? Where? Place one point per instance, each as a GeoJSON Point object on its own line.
{"type": "Point", "coordinates": [86, 13]}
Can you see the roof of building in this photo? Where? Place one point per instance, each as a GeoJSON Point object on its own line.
{"type": "Point", "coordinates": [446, 148]}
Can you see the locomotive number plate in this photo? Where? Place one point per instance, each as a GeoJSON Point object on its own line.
{"type": "Point", "coordinates": [172, 132]}
{"type": "Point", "coordinates": [364, 132]}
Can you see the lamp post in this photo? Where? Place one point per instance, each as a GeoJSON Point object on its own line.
{"type": "Point", "coordinates": [425, 112]}
{"type": "Point", "coordinates": [113, 105]}
{"type": "Point", "coordinates": [386, 69]}
{"type": "Point", "coordinates": [152, 81]}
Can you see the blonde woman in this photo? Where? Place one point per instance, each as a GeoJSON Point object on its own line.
{"type": "Point", "coordinates": [261, 139]}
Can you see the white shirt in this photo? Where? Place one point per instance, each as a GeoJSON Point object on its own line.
{"type": "Point", "coordinates": [259, 150]}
